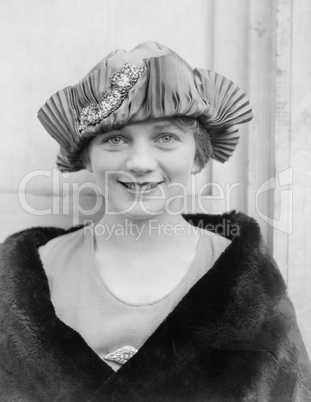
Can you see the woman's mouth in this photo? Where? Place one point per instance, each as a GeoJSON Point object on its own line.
{"type": "Point", "coordinates": [140, 187]}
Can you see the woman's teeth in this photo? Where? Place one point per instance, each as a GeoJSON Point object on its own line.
{"type": "Point", "coordinates": [140, 187]}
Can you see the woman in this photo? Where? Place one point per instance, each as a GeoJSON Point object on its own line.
{"type": "Point", "coordinates": [162, 309]}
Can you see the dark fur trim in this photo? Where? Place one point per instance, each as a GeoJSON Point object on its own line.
{"type": "Point", "coordinates": [233, 336]}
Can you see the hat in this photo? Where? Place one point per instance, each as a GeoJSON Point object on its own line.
{"type": "Point", "coordinates": [149, 82]}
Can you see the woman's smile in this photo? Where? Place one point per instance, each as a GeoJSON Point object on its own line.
{"type": "Point", "coordinates": [140, 188]}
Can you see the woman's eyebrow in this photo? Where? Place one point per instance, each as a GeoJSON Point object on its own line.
{"type": "Point", "coordinates": [164, 126]}
{"type": "Point", "coordinates": [117, 131]}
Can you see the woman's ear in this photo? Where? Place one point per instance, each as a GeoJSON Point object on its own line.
{"type": "Point", "coordinates": [196, 168]}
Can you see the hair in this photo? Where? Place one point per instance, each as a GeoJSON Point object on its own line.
{"type": "Point", "coordinates": [85, 155]}
{"type": "Point", "coordinates": [201, 137]}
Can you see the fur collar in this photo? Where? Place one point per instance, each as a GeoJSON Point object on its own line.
{"type": "Point", "coordinates": [218, 344]}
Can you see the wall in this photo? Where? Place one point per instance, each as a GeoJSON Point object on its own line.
{"type": "Point", "coordinates": [47, 45]}
{"type": "Point", "coordinates": [292, 201]}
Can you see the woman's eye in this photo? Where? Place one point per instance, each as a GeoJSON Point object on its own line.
{"type": "Point", "coordinates": [115, 140]}
{"type": "Point", "coordinates": [167, 139]}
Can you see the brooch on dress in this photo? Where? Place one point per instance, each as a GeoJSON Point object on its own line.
{"type": "Point", "coordinates": [122, 81]}
{"type": "Point", "coordinates": [121, 355]}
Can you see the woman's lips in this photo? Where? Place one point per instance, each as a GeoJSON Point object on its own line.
{"type": "Point", "coordinates": [143, 188]}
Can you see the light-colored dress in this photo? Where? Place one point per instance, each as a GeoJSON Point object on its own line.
{"type": "Point", "coordinates": [84, 301]}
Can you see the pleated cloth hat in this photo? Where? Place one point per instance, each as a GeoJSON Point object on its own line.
{"type": "Point", "coordinates": [149, 82]}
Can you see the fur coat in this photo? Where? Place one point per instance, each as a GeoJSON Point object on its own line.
{"type": "Point", "coordinates": [233, 337]}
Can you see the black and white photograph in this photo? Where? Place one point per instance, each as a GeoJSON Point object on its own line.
{"type": "Point", "coordinates": [155, 201]}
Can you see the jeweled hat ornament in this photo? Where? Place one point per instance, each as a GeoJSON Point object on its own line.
{"type": "Point", "coordinates": [149, 82]}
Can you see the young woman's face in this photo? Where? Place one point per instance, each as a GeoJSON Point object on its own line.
{"type": "Point", "coordinates": [143, 166]}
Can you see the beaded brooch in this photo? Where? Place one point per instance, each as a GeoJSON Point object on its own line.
{"type": "Point", "coordinates": [121, 355]}
{"type": "Point", "coordinates": [122, 81]}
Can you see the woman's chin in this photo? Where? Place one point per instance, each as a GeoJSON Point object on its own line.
{"type": "Point", "coordinates": [143, 211]}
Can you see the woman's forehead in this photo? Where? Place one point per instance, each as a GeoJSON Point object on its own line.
{"type": "Point", "coordinates": [152, 126]}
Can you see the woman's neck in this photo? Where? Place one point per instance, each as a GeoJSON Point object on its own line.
{"type": "Point", "coordinates": [135, 235]}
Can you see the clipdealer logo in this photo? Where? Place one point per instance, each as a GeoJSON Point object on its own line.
{"type": "Point", "coordinates": [282, 185]}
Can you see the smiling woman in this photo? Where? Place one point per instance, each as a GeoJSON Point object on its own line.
{"type": "Point", "coordinates": [147, 304]}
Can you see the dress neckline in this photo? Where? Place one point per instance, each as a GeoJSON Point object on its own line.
{"type": "Point", "coordinates": [153, 302]}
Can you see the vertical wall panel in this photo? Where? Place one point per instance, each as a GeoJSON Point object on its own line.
{"type": "Point", "coordinates": [283, 127]}
{"type": "Point", "coordinates": [293, 150]}
{"type": "Point", "coordinates": [230, 59]}
{"type": "Point", "coordinates": [261, 65]}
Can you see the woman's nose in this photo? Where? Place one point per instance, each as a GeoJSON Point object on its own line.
{"type": "Point", "coordinates": [141, 160]}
